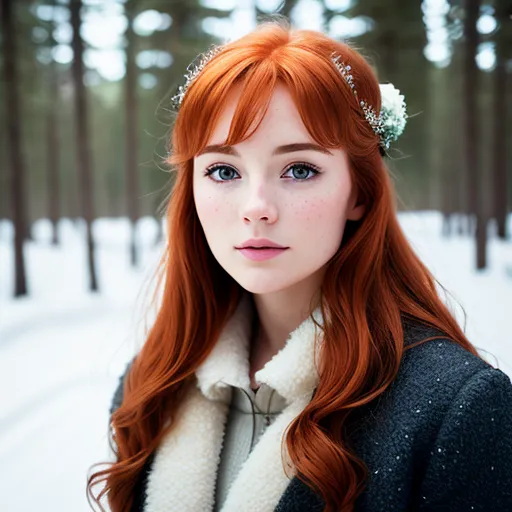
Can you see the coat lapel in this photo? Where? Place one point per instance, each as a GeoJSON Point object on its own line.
{"type": "Point", "coordinates": [184, 471]}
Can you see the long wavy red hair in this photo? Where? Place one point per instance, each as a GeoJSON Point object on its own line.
{"type": "Point", "coordinates": [372, 283]}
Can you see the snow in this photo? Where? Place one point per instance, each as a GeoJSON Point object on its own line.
{"type": "Point", "coordinates": [63, 348]}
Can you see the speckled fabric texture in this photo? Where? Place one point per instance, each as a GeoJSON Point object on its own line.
{"type": "Point", "coordinates": [439, 439]}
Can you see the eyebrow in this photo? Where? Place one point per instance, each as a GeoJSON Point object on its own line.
{"type": "Point", "coordinates": [279, 150]}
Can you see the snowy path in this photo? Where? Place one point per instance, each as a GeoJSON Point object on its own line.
{"type": "Point", "coordinates": [61, 350]}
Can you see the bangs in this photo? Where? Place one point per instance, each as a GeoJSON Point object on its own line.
{"type": "Point", "coordinates": [326, 104]}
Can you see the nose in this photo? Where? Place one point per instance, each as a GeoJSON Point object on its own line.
{"type": "Point", "coordinates": [259, 207]}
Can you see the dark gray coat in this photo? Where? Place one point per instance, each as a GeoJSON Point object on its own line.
{"type": "Point", "coordinates": [439, 438]}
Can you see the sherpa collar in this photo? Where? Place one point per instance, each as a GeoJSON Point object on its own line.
{"type": "Point", "coordinates": [183, 474]}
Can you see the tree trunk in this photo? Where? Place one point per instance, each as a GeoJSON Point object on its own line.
{"type": "Point", "coordinates": [52, 147]}
{"type": "Point", "coordinates": [14, 145]}
{"type": "Point", "coordinates": [499, 153]}
{"type": "Point", "coordinates": [470, 108]}
{"type": "Point", "coordinates": [132, 179]}
{"type": "Point", "coordinates": [82, 139]}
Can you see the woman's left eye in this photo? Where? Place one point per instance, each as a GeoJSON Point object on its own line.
{"type": "Point", "coordinates": [302, 171]}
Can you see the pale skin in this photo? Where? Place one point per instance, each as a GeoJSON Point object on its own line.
{"type": "Point", "coordinates": [254, 193]}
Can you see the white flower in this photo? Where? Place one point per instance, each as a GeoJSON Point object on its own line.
{"type": "Point", "coordinates": [393, 112]}
{"type": "Point", "coordinates": [392, 100]}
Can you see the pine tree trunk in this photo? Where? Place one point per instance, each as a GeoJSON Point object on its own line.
{"type": "Point", "coordinates": [499, 153]}
{"type": "Point", "coordinates": [14, 144]}
{"type": "Point", "coordinates": [52, 148]}
{"type": "Point", "coordinates": [132, 179]}
{"type": "Point", "coordinates": [470, 108]}
{"type": "Point", "coordinates": [82, 139]}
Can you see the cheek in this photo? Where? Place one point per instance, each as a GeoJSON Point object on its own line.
{"type": "Point", "coordinates": [321, 220]}
{"type": "Point", "coordinates": [206, 202]}
{"type": "Point", "coordinates": [321, 210]}
{"type": "Point", "coordinates": [212, 210]}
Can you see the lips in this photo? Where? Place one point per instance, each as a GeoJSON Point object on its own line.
{"type": "Point", "coordinates": [262, 247]}
{"type": "Point", "coordinates": [260, 243]}
{"type": "Point", "coordinates": [261, 253]}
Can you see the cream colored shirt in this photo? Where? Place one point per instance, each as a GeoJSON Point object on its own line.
{"type": "Point", "coordinates": [249, 415]}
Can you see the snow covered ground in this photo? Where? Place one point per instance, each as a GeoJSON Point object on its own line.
{"type": "Point", "coordinates": [62, 349]}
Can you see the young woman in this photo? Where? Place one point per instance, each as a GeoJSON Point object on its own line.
{"type": "Point", "coordinates": [301, 359]}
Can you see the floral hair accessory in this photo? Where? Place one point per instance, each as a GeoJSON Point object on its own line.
{"type": "Point", "coordinates": [393, 113]}
{"type": "Point", "coordinates": [193, 69]}
{"type": "Point", "coordinates": [389, 124]}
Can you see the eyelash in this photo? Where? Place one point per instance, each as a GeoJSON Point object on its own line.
{"type": "Point", "coordinates": [310, 167]}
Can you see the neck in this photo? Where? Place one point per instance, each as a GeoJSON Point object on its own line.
{"type": "Point", "coordinates": [277, 314]}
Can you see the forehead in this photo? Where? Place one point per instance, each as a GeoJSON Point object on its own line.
{"type": "Point", "coordinates": [282, 119]}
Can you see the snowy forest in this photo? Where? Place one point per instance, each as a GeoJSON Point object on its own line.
{"type": "Point", "coordinates": [84, 132]}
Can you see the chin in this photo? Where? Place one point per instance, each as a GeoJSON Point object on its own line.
{"type": "Point", "coordinates": [261, 285]}
{"type": "Point", "coordinates": [260, 290]}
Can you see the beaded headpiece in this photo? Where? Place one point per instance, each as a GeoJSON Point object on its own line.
{"type": "Point", "coordinates": [193, 69]}
{"type": "Point", "coordinates": [388, 124]}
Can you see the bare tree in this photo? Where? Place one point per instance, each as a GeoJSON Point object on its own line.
{"type": "Point", "coordinates": [499, 153]}
{"type": "Point", "coordinates": [132, 178]}
{"type": "Point", "coordinates": [52, 149]}
{"type": "Point", "coordinates": [52, 140]}
{"type": "Point", "coordinates": [82, 138]}
{"type": "Point", "coordinates": [471, 136]}
{"type": "Point", "coordinates": [14, 144]}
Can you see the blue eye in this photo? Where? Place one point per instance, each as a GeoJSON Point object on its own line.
{"type": "Point", "coordinates": [209, 172]}
{"type": "Point", "coordinates": [303, 171]}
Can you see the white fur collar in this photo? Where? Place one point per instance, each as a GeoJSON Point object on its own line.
{"type": "Point", "coordinates": [184, 471]}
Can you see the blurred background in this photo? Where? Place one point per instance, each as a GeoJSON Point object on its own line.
{"type": "Point", "coordinates": [84, 123]}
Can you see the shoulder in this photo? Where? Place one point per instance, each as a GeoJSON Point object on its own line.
{"type": "Point", "coordinates": [441, 432]}
{"type": "Point", "coordinates": [440, 366]}
{"type": "Point", "coordinates": [460, 409]}
{"type": "Point", "coordinates": [433, 374]}
{"type": "Point", "coordinates": [431, 378]}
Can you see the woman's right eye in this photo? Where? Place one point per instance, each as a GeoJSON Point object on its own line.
{"type": "Point", "coordinates": [224, 172]}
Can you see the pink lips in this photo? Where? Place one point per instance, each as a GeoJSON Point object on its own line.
{"type": "Point", "coordinates": [261, 254]}
{"type": "Point", "coordinates": [260, 249]}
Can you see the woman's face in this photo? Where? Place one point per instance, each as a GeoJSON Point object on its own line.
{"type": "Point", "coordinates": [299, 198]}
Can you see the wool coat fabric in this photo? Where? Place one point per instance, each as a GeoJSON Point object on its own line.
{"type": "Point", "coordinates": [438, 439]}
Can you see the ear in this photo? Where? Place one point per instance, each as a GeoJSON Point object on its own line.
{"type": "Point", "coordinates": [354, 211]}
